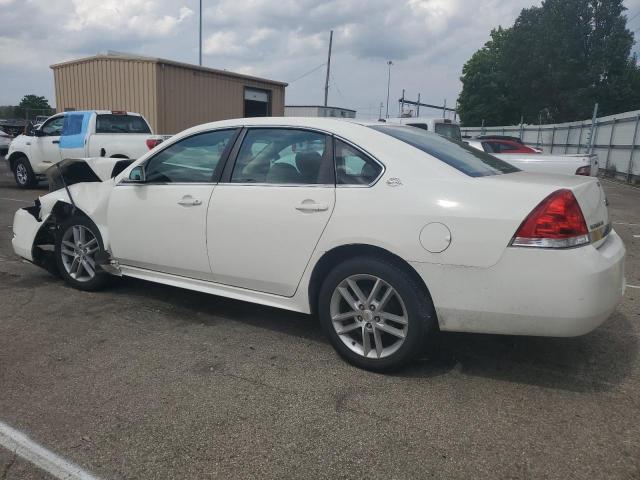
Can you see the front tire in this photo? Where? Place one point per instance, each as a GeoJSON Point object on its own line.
{"type": "Point", "coordinates": [78, 241]}
{"type": "Point", "coordinates": [376, 315]}
{"type": "Point", "coordinates": [23, 173]}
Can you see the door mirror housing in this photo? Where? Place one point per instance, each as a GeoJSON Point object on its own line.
{"type": "Point", "coordinates": [37, 132]}
{"type": "Point", "coordinates": [136, 175]}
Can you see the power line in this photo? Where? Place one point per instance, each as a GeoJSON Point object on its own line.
{"type": "Point", "coordinates": [308, 73]}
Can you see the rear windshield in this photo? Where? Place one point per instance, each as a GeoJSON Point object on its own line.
{"type": "Point", "coordinates": [448, 130]}
{"type": "Point", "coordinates": [457, 154]}
{"type": "Point", "coordinates": [112, 123]}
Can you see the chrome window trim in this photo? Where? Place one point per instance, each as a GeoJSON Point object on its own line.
{"type": "Point", "coordinates": [262, 184]}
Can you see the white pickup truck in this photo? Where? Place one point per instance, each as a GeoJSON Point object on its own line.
{"type": "Point", "coordinates": [96, 133]}
{"type": "Point", "coordinates": [569, 164]}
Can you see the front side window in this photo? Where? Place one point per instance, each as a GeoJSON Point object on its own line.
{"type": "Point", "coordinates": [114, 123]}
{"type": "Point", "coordinates": [456, 154]}
{"type": "Point", "coordinates": [283, 156]}
{"type": "Point", "coordinates": [193, 159]}
{"type": "Point", "coordinates": [354, 167]}
{"type": "Point", "coordinates": [53, 128]}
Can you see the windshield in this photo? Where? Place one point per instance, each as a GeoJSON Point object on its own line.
{"type": "Point", "coordinates": [452, 152]}
{"type": "Point", "coordinates": [112, 123]}
{"type": "Point", "coordinates": [449, 130]}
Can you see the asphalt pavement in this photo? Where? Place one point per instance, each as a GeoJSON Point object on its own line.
{"type": "Point", "coordinates": [153, 382]}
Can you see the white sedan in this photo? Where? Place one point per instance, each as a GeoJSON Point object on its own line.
{"type": "Point", "coordinates": [386, 232]}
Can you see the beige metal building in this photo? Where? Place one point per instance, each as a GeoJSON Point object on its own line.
{"type": "Point", "coordinates": [171, 95]}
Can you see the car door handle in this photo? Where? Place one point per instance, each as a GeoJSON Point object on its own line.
{"type": "Point", "coordinates": [55, 141]}
{"type": "Point", "coordinates": [311, 206]}
{"type": "Point", "coordinates": [189, 201]}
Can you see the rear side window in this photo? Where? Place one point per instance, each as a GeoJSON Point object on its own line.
{"type": "Point", "coordinates": [283, 156]}
{"type": "Point", "coordinates": [354, 167]}
{"type": "Point", "coordinates": [112, 123]}
{"type": "Point", "coordinates": [457, 154]}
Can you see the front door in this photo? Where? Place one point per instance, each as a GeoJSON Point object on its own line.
{"type": "Point", "coordinates": [45, 150]}
{"type": "Point", "coordinates": [268, 213]}
{"type": "Point", "coordinates": [74, 135]}
{"type": "Point", "coordinates": [160, 224]}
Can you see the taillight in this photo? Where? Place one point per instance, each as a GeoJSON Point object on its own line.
{"type": "Point", "coordinates": [153, 142]}
{"type": "Point", "coordinates": [586, 170]}
{"type": "Point", "coordinates": [557, 222]}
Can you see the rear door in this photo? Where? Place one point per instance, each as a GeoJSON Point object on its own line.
{"type": "Point", "coordinates": [270, 209]}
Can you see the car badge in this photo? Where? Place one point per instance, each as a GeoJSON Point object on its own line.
{"type": "Point", "coordinates": [394, 182]}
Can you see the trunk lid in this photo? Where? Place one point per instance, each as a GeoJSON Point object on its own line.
{"type": "Point", "coordinates": [587, 190]}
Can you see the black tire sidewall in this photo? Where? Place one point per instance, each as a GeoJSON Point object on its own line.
{"type": "Point", "coordinates": [101, 278]}
{"type": "Point", "coordinates": [31, 177]}
{"type": "Point", "coordinates": [416, 300]}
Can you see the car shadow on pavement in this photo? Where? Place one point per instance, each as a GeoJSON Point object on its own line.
{"type": "Point", "coordinates": [598, 361]}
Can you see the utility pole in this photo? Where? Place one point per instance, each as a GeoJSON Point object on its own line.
{"type": "Point", "coordinates": [380, 115]}
{"type": "Point", "coordinates": [389, 63]}
{"type": "Point", "coordinates": [326, 83]}
{"type": "Point", "coordinates": [200, 37]}
{"type": "Point", "coordinates": [418, 110]}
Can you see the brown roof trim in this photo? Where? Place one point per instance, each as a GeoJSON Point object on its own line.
{"type": "Point", "coordinates": [164, 61]}
{"type": "Point", "coordinates": [321, 106]}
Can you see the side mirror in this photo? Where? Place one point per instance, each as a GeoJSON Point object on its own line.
{"type": "Point", "coordinates": [38, 132]}
{"type": "Point", "coordinates": [136, 175]}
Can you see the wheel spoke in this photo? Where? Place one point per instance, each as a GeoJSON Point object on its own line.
{"type": "Point", "coordinates": [82, 235]}
{"type": "Point", "coordinates": [348, 328]}
{"type": "Point", "coordinates": [75, 267]}
{"type": "Point", "coordinates": [76, 234]}
{"type": "Point", "coordinates": [374, 291]}
{"type": "Point", "coordinates": [402, 320]}
{"type": "Point", "coordinates": [385, 298]}
{"type": "Point", "coordinates": [366, 342]}
{"type": "Point", "coordinates": [66, 251]}
{"type": "Point", "coordinates": [90, 243]}
{"type": "Point", "coordinates": [396, 332]}
{"type": "Point", "coordinates": [348, 298]}
{"type": "Point", "coordinates": [88, 268]}
{"type": "Point", "coordinates": [69, 244]}
{"type": "Point", "coordinates": [377, 338]}
{"type": "Point", "coordinates": [344, 316]}
{"type": "Point", "coordinates": [356, 289]}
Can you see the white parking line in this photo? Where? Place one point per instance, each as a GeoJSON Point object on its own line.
{"type": "Point", "coordinates": [628, 224]}
{"type": "Point", "coordinates": [633, 286]}
{"type": "Point", "coordinates": [23, 446]}
{"type": "Point", "coordinates": [14, 200]}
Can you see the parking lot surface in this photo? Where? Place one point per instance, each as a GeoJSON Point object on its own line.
{"type": "Point", "coordinates": [149, 381]}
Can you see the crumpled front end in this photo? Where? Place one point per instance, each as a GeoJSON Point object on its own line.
{"type": "Point", "coordinates": [26, 224]}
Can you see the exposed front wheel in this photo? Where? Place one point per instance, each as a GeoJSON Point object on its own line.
{"type": "Point", "coordinates": [23, 173]}
{"type": "Point", "coordinates": [78, 242]}
{"type": "Point", "coordinates": [375, 314]}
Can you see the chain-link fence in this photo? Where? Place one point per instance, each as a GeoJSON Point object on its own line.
{"type": "Point", "coordinates": [615, 139]}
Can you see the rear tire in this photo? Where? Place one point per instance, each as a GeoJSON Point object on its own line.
{"type": "Point", "coordinates": [375, 314]}
{"type": "Point", "coordinates": [23, 173]}
{"type": "Point", "coordinates": [78, 241]}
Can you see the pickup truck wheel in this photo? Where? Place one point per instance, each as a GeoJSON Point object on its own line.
{"type": "Point", "coordinates": [23, 173]}
{"type": "Point", "coordinates": [78, 243]}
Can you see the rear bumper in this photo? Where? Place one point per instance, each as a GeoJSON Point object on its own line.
{"type": "Point", "coordinates": [530, 291]}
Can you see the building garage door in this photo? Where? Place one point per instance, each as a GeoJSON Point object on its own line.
{"type": "Point", "coordinates": [257, 103]}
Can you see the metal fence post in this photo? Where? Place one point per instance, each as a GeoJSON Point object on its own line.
{"type": "Point", "coordinates": [553, 138]}
{"type": "Point", "coordinates": [633, 148]}
{"type": "Point", "coordinates": [566, 144]}
{"type": "Point", "coordinates": [594, 127]}
{"type": "Point", "coordinates": [613, 129]}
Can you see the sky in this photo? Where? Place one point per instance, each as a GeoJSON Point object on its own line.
{"type": "Point", "coordinates": [428, 42]}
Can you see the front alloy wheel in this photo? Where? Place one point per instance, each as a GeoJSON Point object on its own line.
{"type": "Point", "coordinates": [369, 316]}
{"type": "Point", "coordinates": [79, 246]}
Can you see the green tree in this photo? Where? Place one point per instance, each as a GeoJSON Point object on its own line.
{"type": "Point", "coordinates": [32, 105]}
{"type": "Point", "coordinates": [556, 61]}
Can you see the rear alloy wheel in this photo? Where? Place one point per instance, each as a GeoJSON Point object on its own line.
{"type": "Point", "coordinates": [375, 313]}
{"type": "Point", "coordinates": [25, 178]}
{"type": "Point", "coordinates": [77, 244]}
